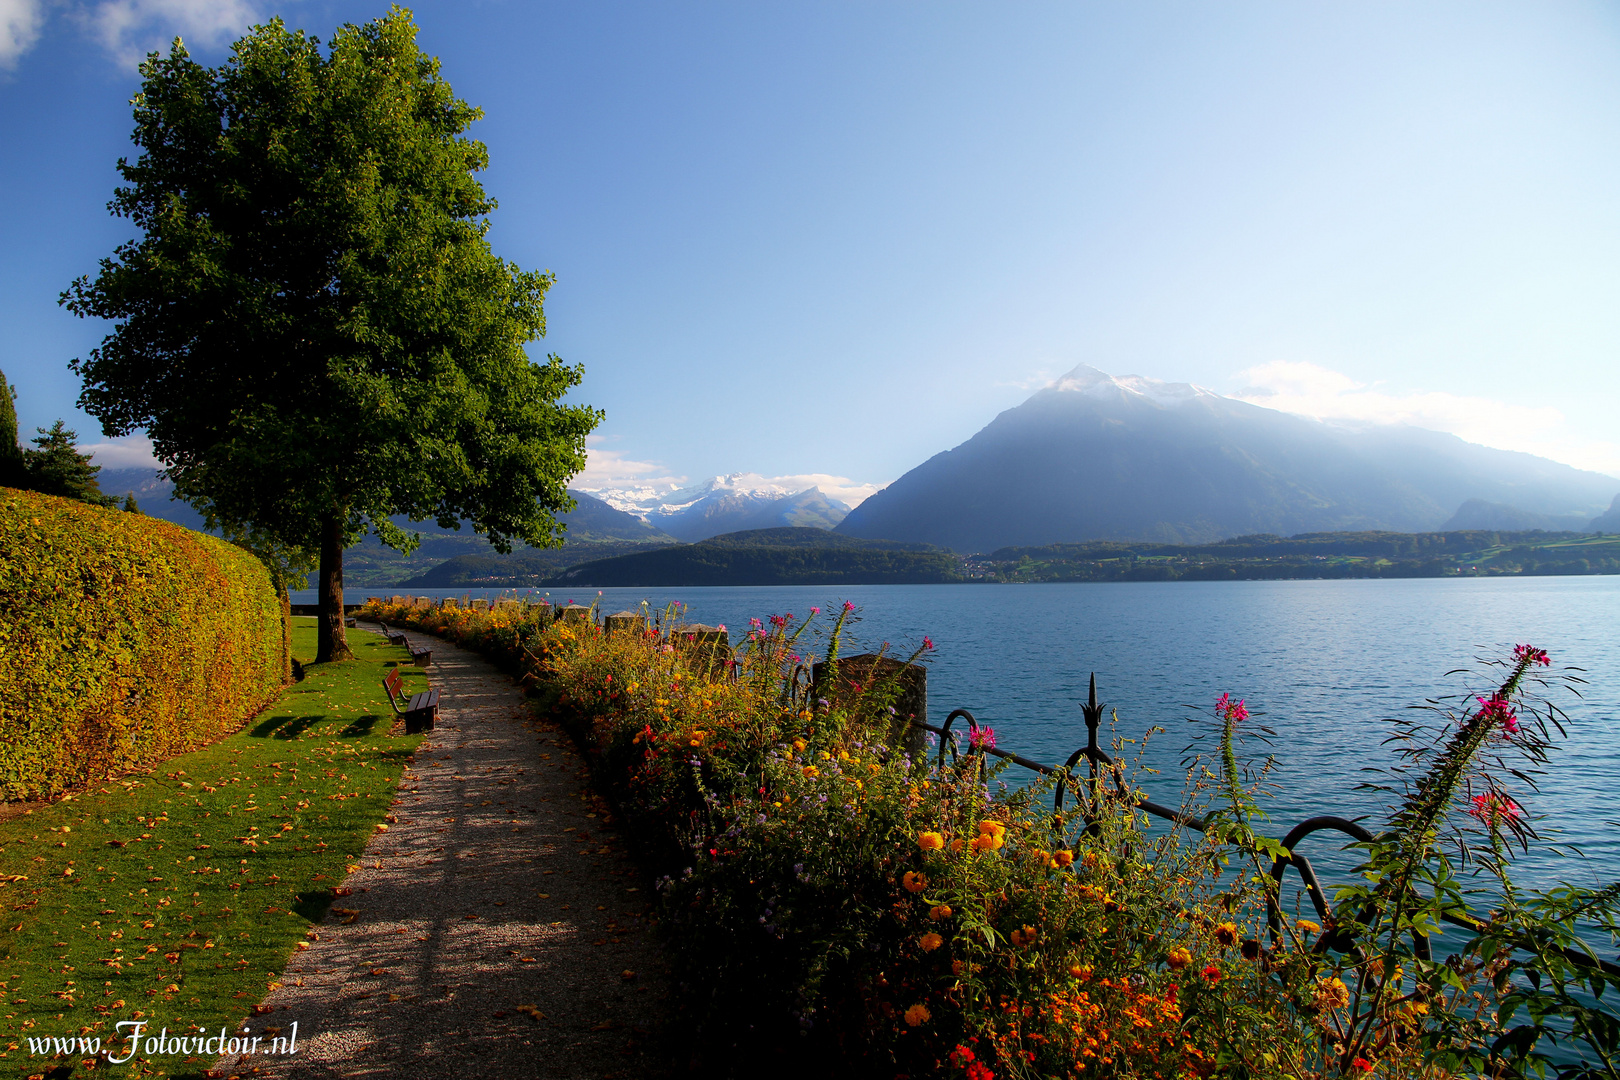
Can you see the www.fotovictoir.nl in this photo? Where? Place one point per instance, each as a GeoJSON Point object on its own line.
{"type": "Point", "coordinates": [134, 1039]}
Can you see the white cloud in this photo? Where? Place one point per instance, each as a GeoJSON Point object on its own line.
{"type": "Point", "coordinates": [129, 29]}
{"type": "Point", "coordinates": [20, 24]}
{"type": "Point", "coordinates": [1310, 390]}
{"type": "Point", "coordinates": [609, 469]}
{"type": "Point", "coordinates": [129, 452]}
{"type": "Point", "coordinates": [842, 488]}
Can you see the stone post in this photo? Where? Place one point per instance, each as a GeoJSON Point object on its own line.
{"type": "Point", "coordinates": [632, 619]}
{"type": "Point", "coordinates": [856, 674]}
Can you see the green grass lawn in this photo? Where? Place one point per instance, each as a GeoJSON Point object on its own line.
{"type": "Point", "coordinates": [176, 896]}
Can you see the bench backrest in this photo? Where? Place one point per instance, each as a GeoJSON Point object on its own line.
{"type": "Point", "coordinates": [392, 682]}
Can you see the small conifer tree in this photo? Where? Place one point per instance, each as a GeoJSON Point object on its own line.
{"type": "Point", "coordinates": [11, 453]}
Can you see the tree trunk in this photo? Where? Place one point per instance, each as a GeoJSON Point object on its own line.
{"type": "Point", "coordinates": [330, 643]}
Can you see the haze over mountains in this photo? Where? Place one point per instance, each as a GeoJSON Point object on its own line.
{"type": "Point", "coordinates": [1095, 457]}
{"type": "Point", "coordinates": [1092, 457]}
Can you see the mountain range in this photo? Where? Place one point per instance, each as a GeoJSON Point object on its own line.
{"type": "Point", "coordinates": [1095, 457]}
{"type": "Point", "coordinates": [734, 502]}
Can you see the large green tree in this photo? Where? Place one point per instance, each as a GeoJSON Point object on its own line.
{"type": "Point", "coordinates": [312, 326]}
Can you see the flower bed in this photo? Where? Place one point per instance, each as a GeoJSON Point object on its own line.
{"type": "Point", "coordinates": [823, 891]}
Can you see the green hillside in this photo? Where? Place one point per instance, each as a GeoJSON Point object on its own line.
{"type": "Point", "coordinates": [784, 556]}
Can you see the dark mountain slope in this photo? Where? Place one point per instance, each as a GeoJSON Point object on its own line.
{"type": "Point", "coordinates": [1099, 458]}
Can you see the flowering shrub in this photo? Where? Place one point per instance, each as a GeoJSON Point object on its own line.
{"type": "Point", "coordinates": [124, 640]}
{"type": "Point", "coordinates": [913, 917]}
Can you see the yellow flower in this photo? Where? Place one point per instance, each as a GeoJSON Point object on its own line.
{"type": "Point", "coordinates": [913, 881]}
{"type": "Point", "coordinates": [918, 1015]}
{"type": "Point", "coordinates": [940, 911]}
{"type": "Point", "coordinates": [1226, 933]}
{"type": "Point", "coordinates": [811, 771]}
{"type": "Point", "coordinates": [1178, 959]}
{"type": "Point", "coordinates": [992, 828]}
{"type": "Point", "coordinates": [1307, 927]}
{"type": "Point", "coordinates": [1089, 860]}
{"type": "Point", "coordinates": [1080, 971]}
{"type": "Point", "coordinates": [843, 755]}
{"type": "Point", "coordinates": [931, 941]}
{"type": "Point", "coordinates": [930, 841]}
{"type": "Point", "coordinates": [799, 745]}
{"type": "Point", "coordinates": [823, 755]}
{"type": "Point", "coordinates": [1331, 994]}
{"type": "Point", "coordinates": [1063, 858]}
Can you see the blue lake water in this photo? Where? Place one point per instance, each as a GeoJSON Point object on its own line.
{"type": "Point", "coordinates": [1321, 662]}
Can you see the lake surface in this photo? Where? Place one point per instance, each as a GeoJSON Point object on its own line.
{"type": "Point", "coordinates": [1321, 662]}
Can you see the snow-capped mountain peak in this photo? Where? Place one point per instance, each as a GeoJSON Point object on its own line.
{"type": "Point", "coordinates": [1088, 380]}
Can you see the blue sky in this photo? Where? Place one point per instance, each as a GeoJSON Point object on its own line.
{"type": "Point", "coordinates": [832, 239]}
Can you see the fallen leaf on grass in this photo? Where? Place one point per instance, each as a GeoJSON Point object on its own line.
{"type": "Point", "coordinates": [262, 1010]}
{"type": "Point", "coordinates": [627, 975]}
{"type": "Point", "coordinates": [531, 1012]}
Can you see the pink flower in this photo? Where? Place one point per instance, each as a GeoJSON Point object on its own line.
{"type": "Point", "coordinates": [928, 644]}
{"type": "Point", "coordinates": [815, 611]}
{"type": "Point", "coordinates": [1494, 807]}
{"type": "Point", "coordinates": [849, 605]}
{"type": "Point", "coordinates": [982, 738]}
{"type": "Point", "coordinates": [1496, 709]}
{"type": "Point", "coordinates": [1229, 710]}
{"type": "Point", "coordinates": [1531, 654]}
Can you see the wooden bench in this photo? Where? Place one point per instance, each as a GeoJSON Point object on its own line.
{"type": "Point", "coordinates": [420, 712]}
{"type": "Point", "coordinates": [422, 657]}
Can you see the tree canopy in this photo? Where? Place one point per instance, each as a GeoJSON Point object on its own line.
{"type": "Point", "coordinates": [312, 326]}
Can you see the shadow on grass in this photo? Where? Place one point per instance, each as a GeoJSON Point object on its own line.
{"type": "Point", "coordinates": [284, 727]}
{"type": "Point", "coordinates": [363, 726]}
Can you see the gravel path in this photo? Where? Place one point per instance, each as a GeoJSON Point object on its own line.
{"type": "Point", "coordinates": [495, 929]}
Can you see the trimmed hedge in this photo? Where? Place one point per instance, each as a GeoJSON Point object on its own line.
{"type": "Point", "coordinates": [124, 640]}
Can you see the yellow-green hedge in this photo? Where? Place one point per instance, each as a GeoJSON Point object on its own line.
{"type": "Point", "coordinates": [124, 640]}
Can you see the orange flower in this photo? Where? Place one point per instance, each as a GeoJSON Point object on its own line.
{"type": "Point", "coordinates": [941, 911]}
{"type": "Point", "coordinates": [930, 841]}
{"type": "Point", "coordinates": [918, 1015]}
{"type": "Point", "coordinates": [1178, 959]}
{"type": "Point", "coordinates": [811, 771]}
{"type": "Point", "coordinates": [1226, 933]}
{"type": "Point", "coordinates": [958, 844]}
{"type": "Point", "coordinates": [1307, 927]}
{"type": "Point", "coordinates": [1025, 936]}
{"type": "Point", "coordinates": [913, 881]}
{"type": "Point", "coordinates": [1063, 859]}
{"type": "Point", "coordinates": [931, 941]}
{"type": "Point", "coordinates": [1080, 971]}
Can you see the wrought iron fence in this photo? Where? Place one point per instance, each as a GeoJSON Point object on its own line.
{"type": "Point", "coordinates": [1101, 761]}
